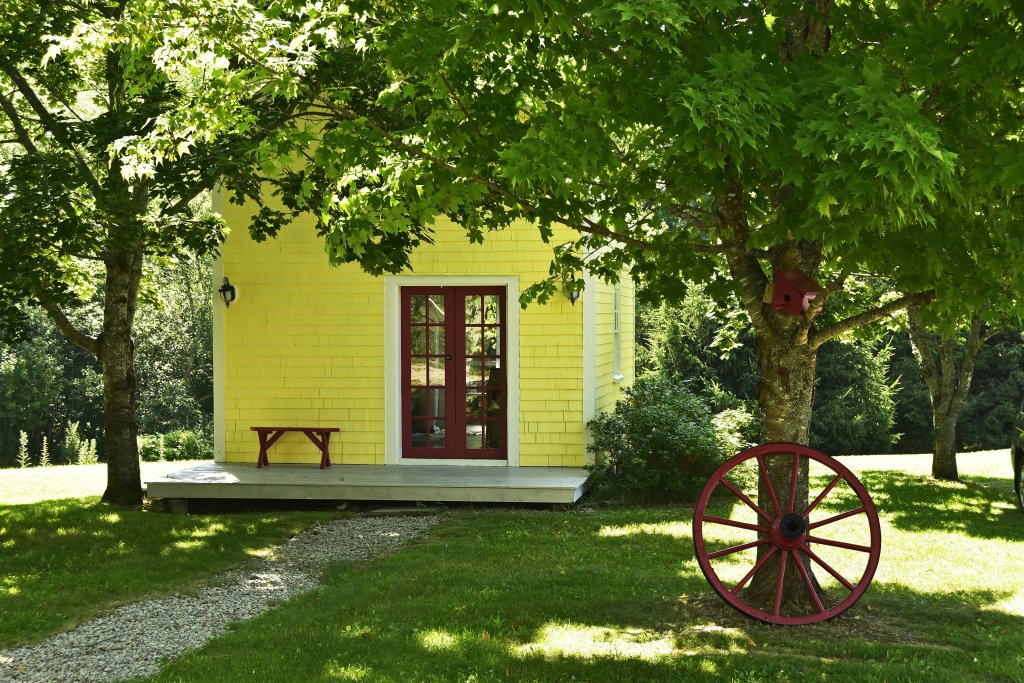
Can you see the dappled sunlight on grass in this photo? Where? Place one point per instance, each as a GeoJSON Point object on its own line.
{"type": "Point", "coordinates": [436, 640]}
{"type": "Point", "coordinates": [582, 641]}
{"type": "Point", "coordinates": [670, 529]}
{"type": "Point", "coordinates": [347, 672]}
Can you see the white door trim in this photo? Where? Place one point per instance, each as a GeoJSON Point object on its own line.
{"type": "Point", "coordinates": [393, 362]}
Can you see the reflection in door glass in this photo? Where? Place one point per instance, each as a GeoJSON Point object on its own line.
{"type": "Point", "coordinates": [474, 435]}
{"type": "Point", "coordinates": [418, 371]}
{"type": "Point", "coordinates": [473, 310]}
{"type": "Point", "coordinates": [491, 310]}
{"type": "Point", "coordinates": [491, 341]}
{"type": "Point", "coordinates": [417, 309]}
{"type": "Point", "coordinates": [419, 341]}
{"type": "Point", "coordinates": [436, 311]}
{"type": "Point", "coordinates": [474, 346]}
{"type": "Point", "coordinates": [436, 340]}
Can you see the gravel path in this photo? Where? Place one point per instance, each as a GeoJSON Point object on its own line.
{"type": "Point", "coordinates": [134, 639]}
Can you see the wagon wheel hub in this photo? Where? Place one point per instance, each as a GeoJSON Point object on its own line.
{"type": "Point", "coordinates": [788, 531]}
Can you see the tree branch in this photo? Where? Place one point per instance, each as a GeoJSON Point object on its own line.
{"type": "Point", "coordinates": [867, 317]}
{"type": "Point", "coordinates": [68, 329]}
{"type": "Point", "coordinates": [19, 128]}
{"type": "Point", "coordinates": [49, 122]}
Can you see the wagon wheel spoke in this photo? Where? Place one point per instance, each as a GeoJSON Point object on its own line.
{"type": "Point", "coordinates": [836, 518]}
{"type": "Point", "coordinates": [753, 570]}
{"type": "Point", "coordinates": [838, 544]}
{"type": "Point", "coordinates": [739, 525]}
{"type": "Point", "coordinates": [778, 585]}
{"type": "Point", "coordinates": [765, 475]}
{"type": "Point", "coordinates": [807, 582]}
{"type": "Point", "coordinates": [738, 548]}
{"type": "Point", "coordinates": [746, 499]}
{"type": "Point", "coordinates": [824, 565]}
{"type": "Point", "coordinates": [821, 496]}
{"type": "Point", "coordinates": [792, 482]}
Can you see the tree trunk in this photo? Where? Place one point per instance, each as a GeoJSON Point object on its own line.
{"type": "Point", "coordinates": [117, 355]}
{"type": "Point", "coordinates": [947, 384]}
{"type": "Point", "coordinates": [785, 396]}
{"type": "Point", "coordinates": [944, 446]}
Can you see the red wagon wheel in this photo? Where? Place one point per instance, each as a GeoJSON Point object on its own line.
{"type": "Point", "coordinates": [737, 540]}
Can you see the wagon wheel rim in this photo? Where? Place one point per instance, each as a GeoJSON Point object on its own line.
{"type": "Point", "coordinates": [788, 535]}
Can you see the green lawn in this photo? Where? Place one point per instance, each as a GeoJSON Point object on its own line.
{"type": "Point", "coordinates": [616, 595]}
{"type": "Point", "coordinates": [65, 559]}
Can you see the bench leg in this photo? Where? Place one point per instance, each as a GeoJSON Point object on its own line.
{"type": "Point", "coordinates": [262, 460]}
{"type": "Point", "coordinates": [325, 454]}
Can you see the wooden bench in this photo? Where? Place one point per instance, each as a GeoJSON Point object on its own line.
{"type": "Point", "coordinates": [320, 436]}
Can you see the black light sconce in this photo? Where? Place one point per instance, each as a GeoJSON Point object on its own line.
{"type": "Point", "coordinates": [228, 292]}
{"type": "Point", "coordinates": [572, 289]}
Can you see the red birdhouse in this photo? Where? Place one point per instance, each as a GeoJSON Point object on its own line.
{"type": "Point", "coordinates": [793, 292]}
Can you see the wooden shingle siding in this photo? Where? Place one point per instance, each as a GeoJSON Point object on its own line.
{"type": "Point", "coordinates": [304, 343]}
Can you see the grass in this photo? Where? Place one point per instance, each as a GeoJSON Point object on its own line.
{"type": "Point", "coordinates": [615, 594]}
{"type": "Point", "coordinates": [66, 559]}
{"type": "Point", "coordinates": [33, 484]}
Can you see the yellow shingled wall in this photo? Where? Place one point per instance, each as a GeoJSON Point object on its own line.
{"type": "Point", "coordinates": [304, 344]}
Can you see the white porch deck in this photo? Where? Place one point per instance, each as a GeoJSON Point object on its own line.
{"type": "Point", "coordinates": [426, 483]}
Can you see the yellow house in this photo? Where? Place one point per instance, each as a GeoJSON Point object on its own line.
{"type": "Point", "coordinates": [435, 373]}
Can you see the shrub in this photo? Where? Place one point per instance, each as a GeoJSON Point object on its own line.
{"type": "Point", "coordinates": [736, 429]}
{"type": "Point", "coordinates": [44, 456]}
{"type": "Point", "coordinates": [23, 458]}
{"type": "Point", "coordinates": [180, 445]}
{"type": "Point", "coordinates": [658, 445]}
{"type": "Point", "coordinates": [77, 449]}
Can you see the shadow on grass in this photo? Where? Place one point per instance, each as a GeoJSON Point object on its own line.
{"type": "Point", "coordinates": [599, 596]}
{"type": "Point", "coordinates": [916, 503]}
{"type": "Point", "coordinates": [65, 560]}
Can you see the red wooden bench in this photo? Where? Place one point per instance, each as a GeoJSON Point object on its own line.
{"type": "Point", "coordinates": [320, 436]}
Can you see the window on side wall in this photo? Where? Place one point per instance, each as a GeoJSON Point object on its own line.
{"type": "Point", "coordinates": [617, 332]}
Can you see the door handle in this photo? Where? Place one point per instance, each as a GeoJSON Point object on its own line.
{"type": "Point", "coordinates": [448, 357]}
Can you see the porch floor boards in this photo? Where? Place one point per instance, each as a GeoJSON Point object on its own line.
{"type": "Point", "coordinates": [426, 483]}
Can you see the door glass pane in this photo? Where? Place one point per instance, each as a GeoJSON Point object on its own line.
{"type": "Point", "coordinates": [418, 402]}
{"type": "Point", "coordinates": [491, 341]}
{"type": "Point", "coordinates": [474, 403]}
{"type": "Point", "coordinates": [436, 308]}
{"type": "Point", "coordinates": [474, 435]}
{"type": "Point", "coordinates": [437, 364]}
{"type": "Point", "coordinates": [491, 310]}
{"type": "Point", "coordinates": [474, 376]}
{"type": "Point", "coordinates": [437, 407]}
{"type": "Point", "coordinates": [419, 341]}
{"type": "Point", "coordinates": [493, 434]}
{"type": "Point", "coordinates": [418, 371]}
{"type": "Point", "coordinates": [474, 310]}
{"type": "Point", "coordinates": [419, 433]}
{"type": "Point", "coordinates": [417, 309]}
{"type": "Point", "coordinates": [436, 341]}
{"type": "Point", "coordinates": [436, 438]}
{"type": "Point", "coordinates": [474, 347]}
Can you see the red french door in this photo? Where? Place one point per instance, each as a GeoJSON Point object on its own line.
{"type": "Point", "coordinates": [453, 373]}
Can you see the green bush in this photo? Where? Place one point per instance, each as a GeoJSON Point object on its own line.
{"type": "Point", "coordinates": [179, 445]}
{"type": "Point", "coordinates": [658, 445]}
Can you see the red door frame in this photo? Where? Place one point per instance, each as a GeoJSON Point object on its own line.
{"type": "Point", "coordinates": [455, 383]}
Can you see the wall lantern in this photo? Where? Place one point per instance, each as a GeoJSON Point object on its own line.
{"type": "Point", "coordinates": [228, 292]}
{"type": "Point", "coordinates": [572, 289]}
